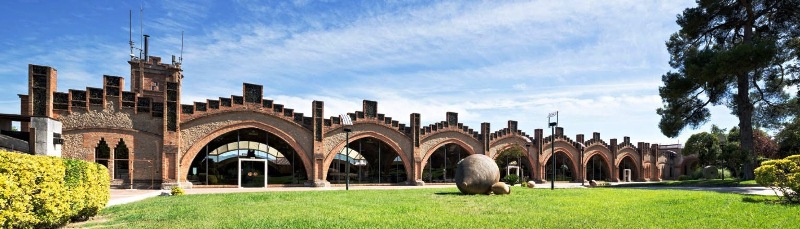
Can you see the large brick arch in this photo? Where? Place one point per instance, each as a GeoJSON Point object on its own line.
{"type": "Point", "coordinates": [602, 149]}
{"type": "Point", "coordinates": [430, 143]}
{"type": "Point", "coordinates": [628, 152]}
{"type": "Point", "coordinates": [191, 152]}
{"type": "Point", "coordinates": [444, 142]}
{"type": "Point", "coordinates": [195, 129]}
{"type": "Point", "coordinates": [566, 147]}
{"type": "Point", "coordinates": [508, 141]}
{"type": "Point", "coordinates": [603, 155]}
{"type": "Point", "coordinates": [573, 165]}
{"type": "Point", "coordinates": [505, 142]}
{"type": "Point", "coordinates": [356, 135]}
{"type": "Point", "coordinates": [637, 172]}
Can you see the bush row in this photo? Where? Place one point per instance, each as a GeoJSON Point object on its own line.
{"type": "Point", "coordinates": [782, 175]}
{"type": "Point", "coordinates": [47, 192]}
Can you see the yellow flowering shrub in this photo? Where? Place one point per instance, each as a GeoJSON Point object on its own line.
{"type": "Point", "coordinates": [782, 175]}
{"type": "Point", "coordinates": [44, 192]}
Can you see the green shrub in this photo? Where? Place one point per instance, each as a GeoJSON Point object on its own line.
{"type": "Point", "coordinates": [782, 175]}
{"type": "Point", "coordinates": [45, 192]}
{"type": "Point", "coordinates": [684, 177]}
{"type": "Point", "coordinates": [177, 191]}
{"type": "Point", "coordinates": [88, 186]}
{"type": "Point", "coordinates": [511, 179]}
{"type": "Point", "coordinates": [696, 174]}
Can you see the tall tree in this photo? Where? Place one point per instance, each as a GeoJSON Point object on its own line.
{"type": "Point", "coordinates": [764, 145]}
{"type": "Point", "coordinates": [789, 139]}
{"type": "Point", "coordinates": [705, 145]}
{"type": "Point", "coordinates": [738, 53]}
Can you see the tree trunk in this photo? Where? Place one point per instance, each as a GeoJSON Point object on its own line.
{"type": "Point", "coordinates": [743, 103]}
{"type": "Point", "coordinates": [745, 113]}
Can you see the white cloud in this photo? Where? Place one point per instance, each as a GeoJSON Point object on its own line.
{"type": "Point", "coordinates": [599, 62]}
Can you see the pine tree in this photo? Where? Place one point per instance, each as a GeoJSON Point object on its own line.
{"type": "Point", "coordinates": [738, 53]}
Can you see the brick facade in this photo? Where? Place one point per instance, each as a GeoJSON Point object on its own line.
{"type": "Point", "coordinates": [164, 135]}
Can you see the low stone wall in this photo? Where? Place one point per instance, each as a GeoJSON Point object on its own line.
{"type": "Point", "coordinates": [13, 144]}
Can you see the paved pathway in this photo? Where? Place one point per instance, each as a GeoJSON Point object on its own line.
{"type": "Point", "coordinates": [740, 190]}
{"type": "Point", "coordinates": [123, 196]}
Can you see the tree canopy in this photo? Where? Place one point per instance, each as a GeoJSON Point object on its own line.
{"type": "Point", "coordinates": [789, 139]}
{"type": "Point", "coordinates": [705, 145]}
{"type": "Point", "coordinates": [739, 53]}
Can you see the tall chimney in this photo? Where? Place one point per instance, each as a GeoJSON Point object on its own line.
{"type": "Point", "coordinates": [146, 46]}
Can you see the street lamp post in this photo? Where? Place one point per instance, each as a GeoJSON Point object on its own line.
{"type": "Point", "coordinates": [347, 122]}
{"type": "Point", "coordinates": [553, 126]}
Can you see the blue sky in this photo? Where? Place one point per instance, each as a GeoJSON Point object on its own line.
{"type": "Point", "coordinates": [599, 63]}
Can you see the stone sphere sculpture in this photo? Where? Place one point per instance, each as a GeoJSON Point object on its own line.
{"type": "Point", "coordinates": [710, 172]}
{"type": "Point", "coordinates": [476, 174]}
{"type": "Point", "coordinates": [531, 184]}
{"type": "Point", "coordinates": [501, 188]}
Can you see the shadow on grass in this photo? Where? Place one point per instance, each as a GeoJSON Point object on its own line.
{"type": "Point", "coordinates": [450, 194]}
{"type": "Point", "coordinates": [772, 200]}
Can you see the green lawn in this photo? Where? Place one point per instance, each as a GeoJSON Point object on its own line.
{"type": "Point", "coordinates": [446, 208]}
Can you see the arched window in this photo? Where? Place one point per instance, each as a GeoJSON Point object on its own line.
{"type": "Point", "coordinates": [102, 153]}
{"type": "Point", "coordinates": [121, 164]}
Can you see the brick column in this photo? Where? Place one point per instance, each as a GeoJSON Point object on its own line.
{"type": "Point", "coordinates": [614, 167]}
{"type": "Point", "coordinates": [582, 153]}
{"type": "Point", "coordinates": [317, 156]}
{"type": "Point", "coordinates": [416, 153]}
{"type": "Point", "coordinates": [485, 137]}
{"type": "Point", "coordinates": [538, 140]}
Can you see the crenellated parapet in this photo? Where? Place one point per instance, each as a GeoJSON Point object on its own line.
{"type": "Point", "coordinates": [596, 141]}
{"type": "Point", "coordinates": [108, 106]}
{"type": "Point", "coordinates": [250, 100]}
{"type": "Point", "coordinates": [109, 97]}
{"type": "Point", "coordinates": [368, 114]}
{"type": "Point", "coordinates": [510, 131]}
{"type": "Point", "coordinates": [559, 136]}
{"type": "Point", "coordinates": [626, 143]}
{"type": "Point", "coordinates": [450, 124]}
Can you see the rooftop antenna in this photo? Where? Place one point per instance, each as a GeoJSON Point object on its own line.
{"type": "Point", "coordinates": [130, 31]}
{"type": "Point", "coordinates": [141, 29]}
{"type": "Point", "coordinates": [180, 59]}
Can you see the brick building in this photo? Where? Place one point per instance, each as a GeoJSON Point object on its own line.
{"type": "Point", "coordinates": [148, 136]}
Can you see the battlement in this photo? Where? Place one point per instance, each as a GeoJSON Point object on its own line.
{"type": "Point", "coordinates": [251, 99]}
{"type": "Point", "coordinates": [450, 124]}
{"type": "Point", "coordinates": [596, 140]}
{"type": "Point", "coordinates": [369, 114]}
{"type": "Point", "coordinates": [510, 130]}
{"type": "Point", "coordinates": [46, 101]}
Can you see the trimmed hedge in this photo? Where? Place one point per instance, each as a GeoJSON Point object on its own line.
{"type": "Point", "coordinates": [782, 175]}
{"type": "Point", "coordinates": [46, 192]}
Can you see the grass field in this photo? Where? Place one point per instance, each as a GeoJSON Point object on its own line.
{"type": "Point", "coordinates": [447, 208]}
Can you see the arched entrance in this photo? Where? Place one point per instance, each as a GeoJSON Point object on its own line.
{"type": "Point", "coordinates": [597, 168]}
{"type": "Point", "coordinates": [441, 164]}
{"type": "Point", "coordinates": [370, 160]}
{"type": "Point", "coordinates": [564, 167]}
{"type": "Point", "coordinates": [239, 156]}
{"type": "Point", "coordinates": [627, 163]}
{"type": "Point", "coordinates": [514, 160]}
